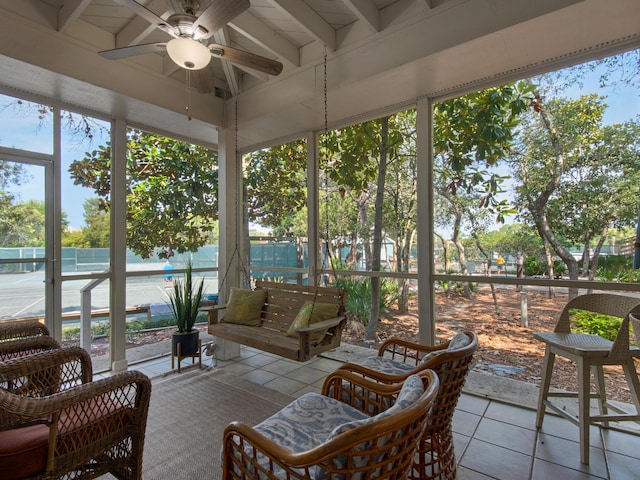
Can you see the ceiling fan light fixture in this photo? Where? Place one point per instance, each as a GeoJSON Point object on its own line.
{"type": "Point", "coordinates": [188, 53]}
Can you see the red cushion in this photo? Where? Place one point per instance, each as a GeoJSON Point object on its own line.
{"type": "Point", "coordinates": [23, 451]}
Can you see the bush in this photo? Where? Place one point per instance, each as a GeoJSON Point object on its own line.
{"type": "Point", "coordinates": [596, 324]}
{"type": "Point", "coordinates": [456, 288]}
{"type": "Point", "coordinates": [533, 266]}
{"type": "Point", "coordinates": [358, 302]}
{"type": "Point", "coordinates": [617, 268]}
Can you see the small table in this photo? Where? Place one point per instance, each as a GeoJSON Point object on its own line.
{"type": "Point", "coordinates": [179, 355]}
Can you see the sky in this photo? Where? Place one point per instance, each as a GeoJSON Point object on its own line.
{"type": "Point", "coordinates": [27, 132]}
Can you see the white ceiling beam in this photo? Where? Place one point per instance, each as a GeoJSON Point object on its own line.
{"type": "Point", "coordinates": [222, 36]}
{"type": "Point", "coordinates": [261, 76]}
{"type": "Point", "coordinates": [258, 32]}
{"type": "Point", "coordinates": [309, 20]}
{"type": "Point", "coordinates": [366, 11]}
{"type": "Point", "coordinates": [138, 28]}
{"type": "Point", "coordinates": [70, 11]}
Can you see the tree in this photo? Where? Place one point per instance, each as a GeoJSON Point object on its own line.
{"type": "Point", "coordinates": [576, 178]}
{"type": "Point", "coordinates": [276, 189]}
{"type": "Point", "coordinates": [22, 223]}
{"type": "Point", "coordinates": [472, 133]}
{"type": "Point", "coordinates": [172, 192]}
{"type": "Point", "coordinates": [97, 230]}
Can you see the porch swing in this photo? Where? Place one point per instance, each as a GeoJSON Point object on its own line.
{"type": "Point", "coordinates": [293, 321]}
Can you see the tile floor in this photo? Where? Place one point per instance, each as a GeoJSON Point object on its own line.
{"type": "Point", "coordinates": [493, 439]}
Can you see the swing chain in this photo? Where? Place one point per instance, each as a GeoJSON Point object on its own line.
{"type": "Point", "coordinates": [236, 251]}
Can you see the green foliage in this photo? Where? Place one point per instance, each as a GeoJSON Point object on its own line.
{"type": "Point", "coordinates": [596, 324]}
{"type": "Point", "coordinates": [617, 268]}
{"type": "Point", "coordinates": [474, 132]}
{"type": "Point", "coordinates": [185, 300]}
{"type": "Point", "coordinates": [97, 231]}
{"type": "Point", "coordinates": [456, 288]}
{"type": "Point", "coordinates": [172, 192]}
{"type": "Point", "coordinates": [358, 290]}
{"type": "Point", "coordinates": [133, 327]}
{"type": "Point", "coordinates": [559, 268]}
{"type": "Point", "coordinates": [22, 223]}
{"type": "Point", "coordinates": [276, 187]}
{"type": "Point", "coordinates": [534, 266]}
{"type": "Point", "coordinates": [576, 177]}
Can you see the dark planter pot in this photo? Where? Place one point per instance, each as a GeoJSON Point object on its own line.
{"type": "Point", "coordinates": [188, 343]}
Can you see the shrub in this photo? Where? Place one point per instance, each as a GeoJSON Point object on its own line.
{"type": "Point", "coordinates": [533, 266]}
{"type": "Point", "coordinates": [358, 303]}
{"type": "Point", "coordinates": [596, 324]}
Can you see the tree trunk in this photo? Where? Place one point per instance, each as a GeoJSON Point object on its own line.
{"type": "Point", "coordinates": [586, 257]}
{"type": "Point", "coordinates": [364, 222]}
{"type": "Point", "coordinates": [488, 272]}
{"type": "Point", "coordinates": [596, 253]}
{"type": "Point", "coordinates": [461, 252]}
{"type": "Point", "coordinates": [352, 260]}
{"type": "Point", "coordinates": [636, 246]}
{"type": "Point", "coordinates": [405, 257]}
{"type": "Point", "coordinates": [539, 204]}
{"type": "Point", "coordinates": [374, 314]}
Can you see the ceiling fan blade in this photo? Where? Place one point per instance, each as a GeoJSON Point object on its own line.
{"type": "Point", "coordinates": [124, 52]}
{"type": "Point", "coordinates": [148, 15]}
{"type": "Point", "coordinates": [251, 60]}
{"type": "Point", "coordinates": [219, 13]}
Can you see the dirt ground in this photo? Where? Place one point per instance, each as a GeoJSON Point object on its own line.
{"type": "Point", "coordinates": [506, 348]}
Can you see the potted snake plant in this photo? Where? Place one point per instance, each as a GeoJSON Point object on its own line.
{"type": "Point", "coordinates": [185, 300]}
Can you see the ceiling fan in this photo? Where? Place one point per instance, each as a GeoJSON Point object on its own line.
{"type": "Point", "coordinates": [190, 28]}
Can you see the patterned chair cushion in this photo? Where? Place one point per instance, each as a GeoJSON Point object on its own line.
{"type": "Point", "coordinates": [396, 367]}
{"type": "Point", "coordinates": [314, 419]}
{"type": "Point", "coordinates": [459, 340]}
{"type": "Point", "coordinates": [308, 421]}
{"type": "Point", "coordinates": [387, 365]}
{"type": "Point", "coordinates": [411, 391]}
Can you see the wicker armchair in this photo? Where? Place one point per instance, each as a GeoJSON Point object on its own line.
{"type": "Point", "coordinates": [25, 346]}
{"type": "Point", "coordinates": [590, 353]}
{"type": "Point", "coordinates": [12, 329]}
{"type": "Point", "coordinates": [57, 423]}
{"type": "Point", "coordinates": [318, 437]}
{"type": "Point", "coordinates": [451, 360]}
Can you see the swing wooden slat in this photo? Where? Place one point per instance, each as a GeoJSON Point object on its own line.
{"type": "Point", "coordinates": [282, 304]}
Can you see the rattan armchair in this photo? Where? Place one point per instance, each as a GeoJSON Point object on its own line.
{"type": "Point", "coordinates": [590, 353]}
{"type": "Point", "coordinates": [318, 437]}
{"type": "Point", "coordinates": [25, 346]}
{"type": "Point", "coordinates": [55, 422]}
{"type": "Point", "coordinates": [451, 360]}
{"type": "Point", "coordinates": [12, 329]}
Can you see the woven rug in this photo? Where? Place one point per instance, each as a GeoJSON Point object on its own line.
{"type": "Point", "coordinates": [187, 416]}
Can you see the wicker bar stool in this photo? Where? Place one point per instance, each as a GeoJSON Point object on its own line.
{"type": "Point", "coordinates": [590, 353]}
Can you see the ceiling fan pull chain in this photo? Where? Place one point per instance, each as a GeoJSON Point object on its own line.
{"type": "Point", "coordinates": [188, 84]}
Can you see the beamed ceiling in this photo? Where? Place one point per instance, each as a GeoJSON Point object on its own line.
{"type": "Point", "coordinates": [381, 55]}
